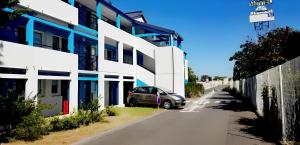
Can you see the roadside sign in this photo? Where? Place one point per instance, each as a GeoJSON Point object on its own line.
{"type": "Point", "coordinates": [158, 99]}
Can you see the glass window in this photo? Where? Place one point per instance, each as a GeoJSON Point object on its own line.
{"type": "Point", "coordinates": [151, 90]}
{"type": "Point", "coordinates": [54, 88]}
{"type": "Point", "coordinates": [55, 42]}
{"type": "Point", "coordinates": [111, 52]}
{"type": "Point", "coordinates": [22, 35]}
{"type": "Point", "coordinates": [139, 90]}
{"type": "Point", "coordinates": [38, 39]}
{"type": "Point", "coordinates": [128, 56]}
{"type": "Point", "coordinates": [64, 44]}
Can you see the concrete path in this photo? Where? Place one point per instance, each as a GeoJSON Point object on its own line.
{"type": "Point", "coordinates": [216, 119]}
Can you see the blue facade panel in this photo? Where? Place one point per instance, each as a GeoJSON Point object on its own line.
{"type": "Point", "coordinates": [186, 82]}
{"type": "Point", "coordinates": [140, 83]}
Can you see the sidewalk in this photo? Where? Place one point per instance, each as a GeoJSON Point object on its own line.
{"type": "Point", "coordinates": [244, 128]}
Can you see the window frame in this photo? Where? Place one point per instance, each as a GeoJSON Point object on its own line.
{"type": "Point", "coordinates": [57, 87]}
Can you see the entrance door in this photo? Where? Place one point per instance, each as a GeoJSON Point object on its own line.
{"type": "Point", "coordinates": [65, 95]}
{"type": "Point", "coordinates": [113, 93]}
{"type": "Point", "coordinates": [128, 86]}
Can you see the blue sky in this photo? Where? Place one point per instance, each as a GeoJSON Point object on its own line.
{"type": "Point", "coordinates": [213, 29]}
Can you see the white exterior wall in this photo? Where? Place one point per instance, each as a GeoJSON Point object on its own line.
{"type": "Point", "coordinates": [34, 59]}
{"type": "Point", "coordinates": [186, 70]}
{"type": "Point", "coordinates": [169, 63]}
{"type": "Point", "coordinates": [53, 8]}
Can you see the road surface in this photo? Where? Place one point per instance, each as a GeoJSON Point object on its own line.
{"type": "Point", "coordinates": [216, 119]}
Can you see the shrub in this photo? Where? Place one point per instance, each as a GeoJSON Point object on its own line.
{"type": "Point", "coordinates": [194, 90]}
{"type": "Point", "coordinates": [70, 122]}
{"type": "Point", "coordinates": [56, 124]}
{"type": "Point", "coordinates": [31, 127]}
{"type": "Point", "coordinates": [111, 111]}
{"type": "Point", "coordinates": [22, 119]}
{"type": "Point", "coordinates": [82, 117]}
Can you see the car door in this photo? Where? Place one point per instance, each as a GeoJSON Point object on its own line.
{"type": "Point", "coordinates": [139, 95]}
{"type": "Point", "coordinates": [151, 95]}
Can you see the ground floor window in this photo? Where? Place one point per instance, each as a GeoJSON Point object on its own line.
{"type": "Point", "coordinates": [14, 87]}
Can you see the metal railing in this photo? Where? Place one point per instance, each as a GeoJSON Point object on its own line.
{"type": "Point", "coordinates": [51, 47]}
{"type": "Point", "coordinates": [87, 62]}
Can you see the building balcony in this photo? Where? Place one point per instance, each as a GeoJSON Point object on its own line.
{"type": "Point", "coordinates": [53, 8]}
{"type": "Point", "coordinates": [89, 63]}
{"type": "Point", "coordinates": [15, 55]}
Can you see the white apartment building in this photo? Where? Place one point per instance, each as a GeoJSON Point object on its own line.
{"type": "Point", "coordinates": [68, 52]}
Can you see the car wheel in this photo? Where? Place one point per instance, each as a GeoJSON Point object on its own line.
{"type": "Point", "coordinates": [132, 103]}
{"type": "Point", "coordinates": [167, 104]}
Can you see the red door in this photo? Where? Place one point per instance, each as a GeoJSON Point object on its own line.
{"type": "Point", "coordinates": [66, 107]}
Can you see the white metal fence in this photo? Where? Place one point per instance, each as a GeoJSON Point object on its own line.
{"type": "Point", "coordinates": [283, 83]}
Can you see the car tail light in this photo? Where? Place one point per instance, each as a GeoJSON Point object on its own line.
{"type": "Point", "coordinates": [129, 93]}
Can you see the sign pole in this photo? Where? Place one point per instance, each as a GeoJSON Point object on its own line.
{"type": "Point", "coordinates": [158, 100]}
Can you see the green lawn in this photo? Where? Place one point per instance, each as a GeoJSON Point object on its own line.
{"type": "Point", "coordinates": [126, 116]}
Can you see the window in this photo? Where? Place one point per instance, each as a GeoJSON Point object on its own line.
{"type": "Point", "coordinates": [91, 20]}
{"type": "Point", "coordinates": [111, 50]}
{"type": "Point", "coordinates": [22, 35]}
{"type": "Point", "coordinates": [151, 90]}
{"type": "Point", "coordinates": [109, 55]}
{"type": "Point", "coordinates": [139, 90]}
{"type": "Point", "coordinates": [40, 87]}
{"type": "Point", "coordinates": [128, 56]}
{"type": "Point", "coordinates": [140, 58]}
{"type": "Point", "coordinates": [38, 39]}
{"type": "Point", "coordinates": [64, 44]}
{"type": "Point", "coordinates": [54, 88]}
{"type": "Point", "coordinates": [55, 43]}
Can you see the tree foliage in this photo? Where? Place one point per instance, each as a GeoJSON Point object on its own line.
{"type": "Point", "coordinates": [193, 78]}
{"type": "Point", "coordinates": [218, 78]}
{"type": "Point", "coordinates": [21, 118]}
{"type": "Point", "coordinates": [206, 77]}
{"type": "Point", "coordinates": [272, 49]}
{"type": "Point", "coordinates": [7, 16]}
{"type": "Point", "coordinates": [192, 89]}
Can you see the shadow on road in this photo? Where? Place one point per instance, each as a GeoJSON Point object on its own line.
{"type": "Point", "coordinates": [257, 127]}
{"type": "Point", "coordinates": [253, 126]}
{"type": "Point", "coordinates": [234, 106]}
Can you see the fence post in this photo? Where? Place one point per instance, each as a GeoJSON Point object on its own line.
{"type": "Point", "coordinates": [282, 103]}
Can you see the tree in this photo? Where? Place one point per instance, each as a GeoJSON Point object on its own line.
{"type": "Point", "coordinates": [192, 89]}
{"type": "Point", "coordinates": [206, 77]}
{"type": "Point", "coordinates": [8, 16]}
{"type": "Point", "coordinates": [272, 49]}
{"type": "Point", "coordinates": [218, 78]}
{"type": "Point", "coordinates": [193, 78]}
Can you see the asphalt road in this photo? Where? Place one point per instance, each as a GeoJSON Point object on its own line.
{"type": "Point", "coordinates": [212, 120]}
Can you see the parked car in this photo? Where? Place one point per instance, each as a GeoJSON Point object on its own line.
{"type": "Point", "coordinates": [148, 96]}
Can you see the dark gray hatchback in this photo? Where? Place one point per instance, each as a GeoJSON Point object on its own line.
{"type": "Point", "coordinates": [148, 96]}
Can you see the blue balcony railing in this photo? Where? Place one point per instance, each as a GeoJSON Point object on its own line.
{"type": "Point", "coordinates": [88, 62]}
